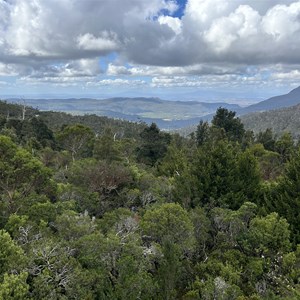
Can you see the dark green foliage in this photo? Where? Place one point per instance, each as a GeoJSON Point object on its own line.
{"type": "Point", "coordinates": [14, 111]}
{"type": "Point", "coordinates": [232, 125]}
{"type": "Point", "coordinates": [224, 174]}
{"type": "Point", "coordinates": [285, 147]}
{"type": "Point", "coordinates": [153, 146]}
{"type": "Point", "coordinates": [248, 139]}
{"type": "Point", "coordinates": [32, 130]}
{"type": "Point", "coordinates": [174, 161]}
{"type": "Point", "coordinates": [77, 139]}
{"type": "Point", "coordinates": [101, 184]}
{"type": "Point", "coordinates": [267, 139]}
{"type": "Point", "coordinates": [215, 172]}
{"type": "Point", "coordinates": [42, 133]}
{"type": "Point", "coordinates": [20, 175]}
{"type": "Point", "coordinates": [169, 270]}
{"type": "Point", "coordinates": [131, 212]}
{"type": "Point", "coordinates": [202, 133]}
{"type": "Point", "coordinates": [284, 197]}
{"type": "Point", "coordinates": [248, 176]}
{"type": "Point", "coordinates": [270, 163]}
{"type": "Point", "coordinates": [11, 255]}
{"type": "Point", "coordinates": [126, 129]}
{"type": "Point", "coordinates": [105, 147]}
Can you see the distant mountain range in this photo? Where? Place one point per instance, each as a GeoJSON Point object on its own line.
{"type": "Point", "coordinates": [287, 100]}
{"type": "Point", "coordinates": [168, 115]}
{"type": "Point", "coordinates": [281, 113]}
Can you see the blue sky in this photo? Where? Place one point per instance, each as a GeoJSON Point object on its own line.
{"type": "Point", "coordinates": [239, 51]}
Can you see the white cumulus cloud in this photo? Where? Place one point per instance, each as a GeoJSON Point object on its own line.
{"type": "Point", "coordinates": [67, 38]}
{"type": "Point", "coordinates": [106, 41]}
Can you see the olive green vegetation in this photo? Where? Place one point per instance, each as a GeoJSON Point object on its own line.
{"type": "Point", "coordinates": [280, 120]}
{"type": "Point", "coordinates": [126, 211]}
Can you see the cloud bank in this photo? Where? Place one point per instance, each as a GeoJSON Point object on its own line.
{"type": "Point", "coordinates": [108, 42]}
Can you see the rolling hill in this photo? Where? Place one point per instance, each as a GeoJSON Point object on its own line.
{"type": "Point", "coordinates": [166, 114]}
{"type": "Point", "coordinates": [56, 120]}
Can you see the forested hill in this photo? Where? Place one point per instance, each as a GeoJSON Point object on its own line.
{"type": "Point", "coordinates": [55, 120]}
{"type": "Point", "coordinates": [166, 114]}
{"type": "Point", "coordinates": [280, 120]}
{"type": "Point", "coordinates": [91, 214]}
{"type": "Point", "coordinates": [15, 110]}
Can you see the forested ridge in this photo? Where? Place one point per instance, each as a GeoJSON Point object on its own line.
{"type": "Point", "coordinates": [280, 120]}
{"type": "Point", "coordinates": [127, 211]}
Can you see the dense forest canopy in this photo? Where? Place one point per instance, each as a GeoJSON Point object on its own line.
{"type": "Point", "coordinates": [94, 208]}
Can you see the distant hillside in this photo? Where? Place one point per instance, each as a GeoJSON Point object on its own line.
{"type": "Point", "coordinates": [280, 120]}
{"type": "Point", "coordinates": [166, 114]}
{"type": "Point", "coordinates": [287, 100]}
{"type": "Point", "coordinates": [15, 110]}
{"type": "Point", "coordinates": [55, 120]}
{"type": "Point", "coordinates": [262, 115]}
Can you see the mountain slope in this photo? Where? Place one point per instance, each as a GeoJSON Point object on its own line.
{"type": "Point", "coordinates": [287, 100]}
{"type": "Point", "coordinates": [280, 120]}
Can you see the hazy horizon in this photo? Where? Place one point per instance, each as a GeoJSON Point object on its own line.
{"type": "Point", "coordinates": [212, 97]}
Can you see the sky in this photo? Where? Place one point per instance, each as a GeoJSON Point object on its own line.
{"type": "Point", "coordinates": [238, 51]}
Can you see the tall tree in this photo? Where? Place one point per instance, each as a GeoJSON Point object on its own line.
{"type": "Point", "coordinates": [232, 125]}
{"type": "Point", "coordinates": [154, 145]}
{"type": "Point", "coordinates": [284, 197]}
{"type": "Point", "coordinates": [285, 146]}
{"type": "Point", "coordinates": [202, 133]}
